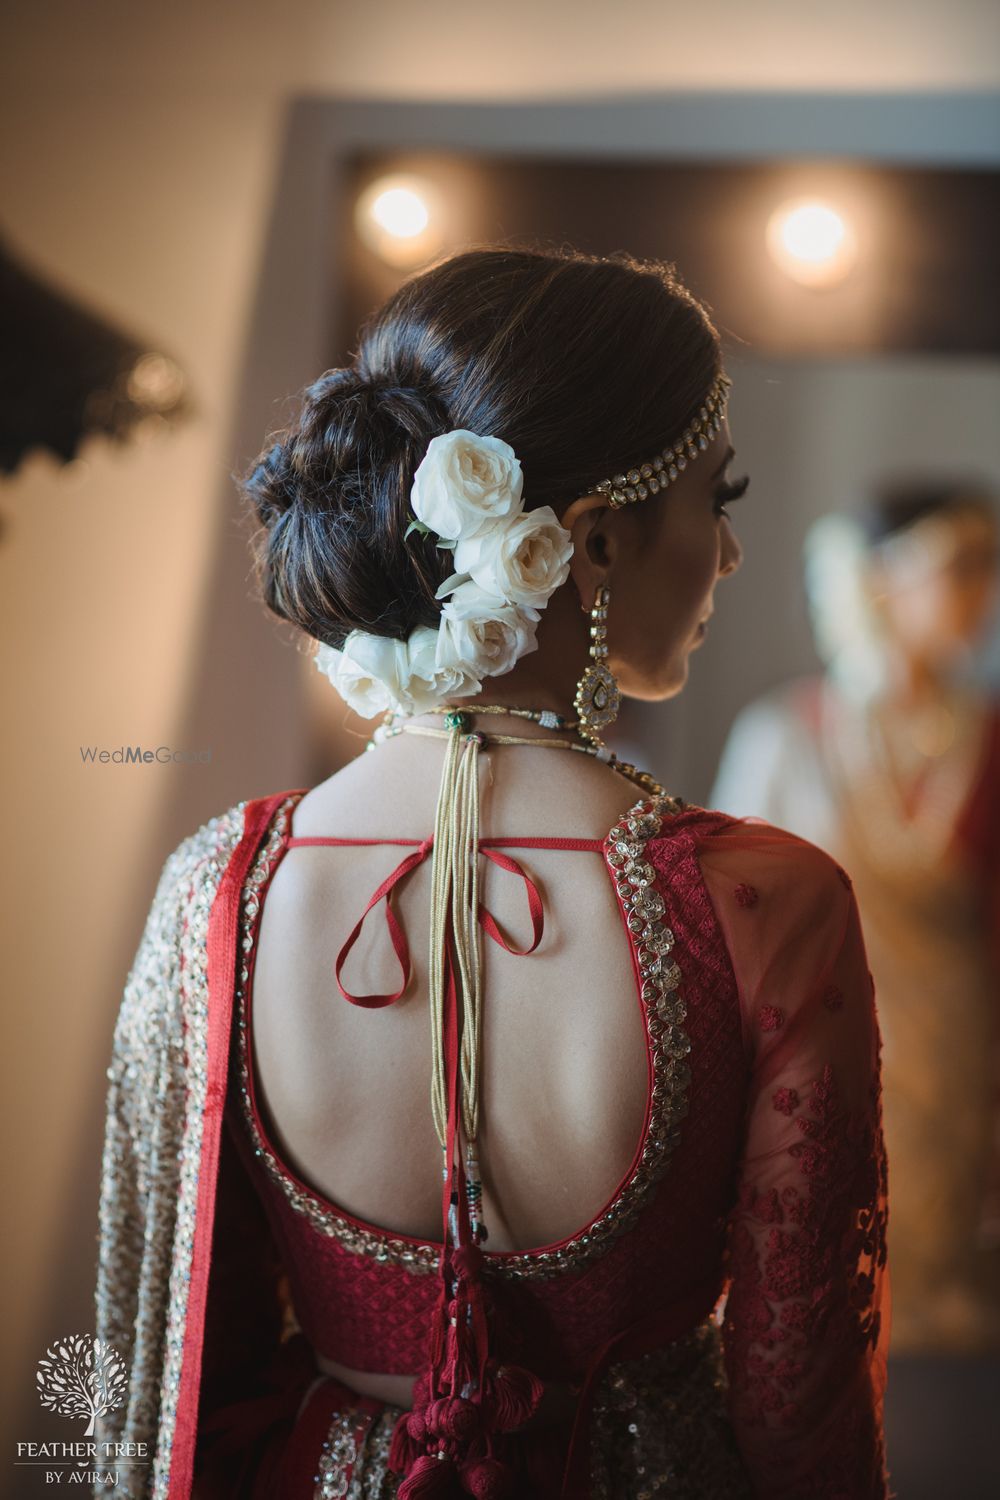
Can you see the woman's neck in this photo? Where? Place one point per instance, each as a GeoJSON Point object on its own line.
{"type": "Point", "coordinates": [504, 722]}
{"type": "Point", "coordinates": [912, 681]}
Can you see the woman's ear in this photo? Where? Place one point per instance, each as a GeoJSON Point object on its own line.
{"type": "Point", "coordinates": [586, 520]}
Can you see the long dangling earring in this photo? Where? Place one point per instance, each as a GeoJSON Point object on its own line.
{"type": "Point", "coordinates": [597, 694]}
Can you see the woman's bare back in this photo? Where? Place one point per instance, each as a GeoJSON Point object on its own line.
{"type": "Point", "coordinates": [347, 1090]}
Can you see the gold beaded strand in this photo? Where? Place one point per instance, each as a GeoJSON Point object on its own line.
{"type": "Point", "coordinates": [643, 779]}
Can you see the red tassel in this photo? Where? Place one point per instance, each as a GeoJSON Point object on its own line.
{"type": "Point", "coordinates": [459, 1419]}
{"type": "Point", "coordinates": [467, 1261]}
{"type": "Point", "coordinates": [435, 1413]}
{"type": "Point", "coordinates": [428, 1479]}
{"type": "Point", "coordinates": [403, 1449]}
{"type": "Point", "coordinates": [511, 1396]}
{"type": "Point", "coordinates": [487, 1479]}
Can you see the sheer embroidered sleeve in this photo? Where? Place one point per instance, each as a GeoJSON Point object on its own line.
{"type": "Point", "coordinates": [806, 1317]}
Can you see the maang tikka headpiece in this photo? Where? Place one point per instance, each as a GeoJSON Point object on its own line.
{"type": "Point", "coordinates": [598, 695]}
{"type": "Point", "coordinates": [649, 478]}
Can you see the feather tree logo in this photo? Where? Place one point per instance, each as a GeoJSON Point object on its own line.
{"type": "Point", "coordinates": [82, 1377]}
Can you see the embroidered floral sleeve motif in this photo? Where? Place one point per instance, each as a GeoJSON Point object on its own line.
{"type": "Point", "coordinates": [803, 1330]}
{"type": "Point", "coordinates": [807, 1259]}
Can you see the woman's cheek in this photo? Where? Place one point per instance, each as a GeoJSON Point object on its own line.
{"type": "Point", "coordinates": [698, 568]}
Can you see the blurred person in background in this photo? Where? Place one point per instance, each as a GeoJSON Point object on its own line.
{"type": "Point", "coordinates": [891, 762]}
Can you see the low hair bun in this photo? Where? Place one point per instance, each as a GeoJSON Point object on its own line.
{"type": "Point", "coordinates": [332, 493]}
{"type": "Point", "coordinates": [267, 485]}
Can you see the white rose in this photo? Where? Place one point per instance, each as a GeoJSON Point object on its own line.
{"type": "Point", "coordinates": [521, 562]}
{"type": "Point", "coordinates": [430, 680]}
{"type": "Point", "coordinates": [465, 482]}
{"type": "Point", "coordinates": [367, 672]}
{"type": "Point", "coordinates": [486, 636]}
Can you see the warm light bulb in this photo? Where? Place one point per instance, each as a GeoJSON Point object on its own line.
{"type": "Point", "coordinates": [401, 212]}
{"type": "Point", "coordinates": [399, 219]}
{"type": "Point", "coordinates": [811, 242]}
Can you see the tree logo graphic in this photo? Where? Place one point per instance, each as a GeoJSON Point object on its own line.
{"type": "Point", "coordinates": [81, 1376]}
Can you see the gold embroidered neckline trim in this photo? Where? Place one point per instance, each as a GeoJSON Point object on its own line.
{"type": "Point", "coordinates": [667, 1042]}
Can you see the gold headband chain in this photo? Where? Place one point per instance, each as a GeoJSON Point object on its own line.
{"type": "Point", "coordinates": [671, 461]}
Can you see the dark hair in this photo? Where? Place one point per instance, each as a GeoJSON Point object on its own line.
{"type": "Point", "coordinates": [586, 366]}
{"type": "Point", "coordinates": [898, 503]}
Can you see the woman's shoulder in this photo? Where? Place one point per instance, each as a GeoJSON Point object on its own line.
{"type": "Point", "coordinates": [199, 853]}
{"type": "Point", "coordinates": [194, 868]}
{"type": "Point", "coordinates": [786, 915]}
{"type": "Point", "coordinates": [758, 855]}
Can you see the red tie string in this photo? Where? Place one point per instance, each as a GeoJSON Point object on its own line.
{"type": "Point", "coordinates": [398, 937]}
{"type": "Point", "coordinates": [488, 921]}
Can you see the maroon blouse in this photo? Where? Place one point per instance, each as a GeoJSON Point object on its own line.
{"type": "Point", "coordinates": [757, 1192]}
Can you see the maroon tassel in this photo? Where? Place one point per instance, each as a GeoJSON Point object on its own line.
{"type": "Point", "coordinates": [428, 1479]}
{"type": "Point", "coordinates": [467, 1261]}
{"type": "Point", "coordinates": [487, 1479]}
{"type": "Point", "coordinates": [434, 1416]}
{"type": "Point", "coordinates": [459, 1420]}
{"type": "Point", "coordinates": [451, 1417]}
{"type": "Point", "coordinates": [404, 1448]}
{"type": "Point", "coordinates": [511, 1396]}
{"type": "Point", "coordinates": [422, 1389]}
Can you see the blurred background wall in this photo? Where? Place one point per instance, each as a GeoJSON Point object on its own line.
{"type": "Point", "coordinates": [149, 154]}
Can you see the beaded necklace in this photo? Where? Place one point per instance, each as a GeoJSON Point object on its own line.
{"type": "Point", "coordinates": [457, 718]}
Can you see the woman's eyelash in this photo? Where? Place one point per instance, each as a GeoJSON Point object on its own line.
{"type": "Point", "coordinates": [730, 492]}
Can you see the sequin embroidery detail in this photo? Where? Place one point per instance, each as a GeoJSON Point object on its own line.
{"type": "Point", "coordinates": [660, 1427]}
{"type": "Point", "coordinates": [149, 1185]}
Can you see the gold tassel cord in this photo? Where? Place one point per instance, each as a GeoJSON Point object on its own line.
{"type": "Point", "coordinates": [468, 947]}
{"type": "Point", "coordinates": [440, 894]}
{"type": "Point", "coordinates": [455, 905]}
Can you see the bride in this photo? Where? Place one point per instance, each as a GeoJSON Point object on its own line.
{"type": "Point", "coordinates": [595, 1207]}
